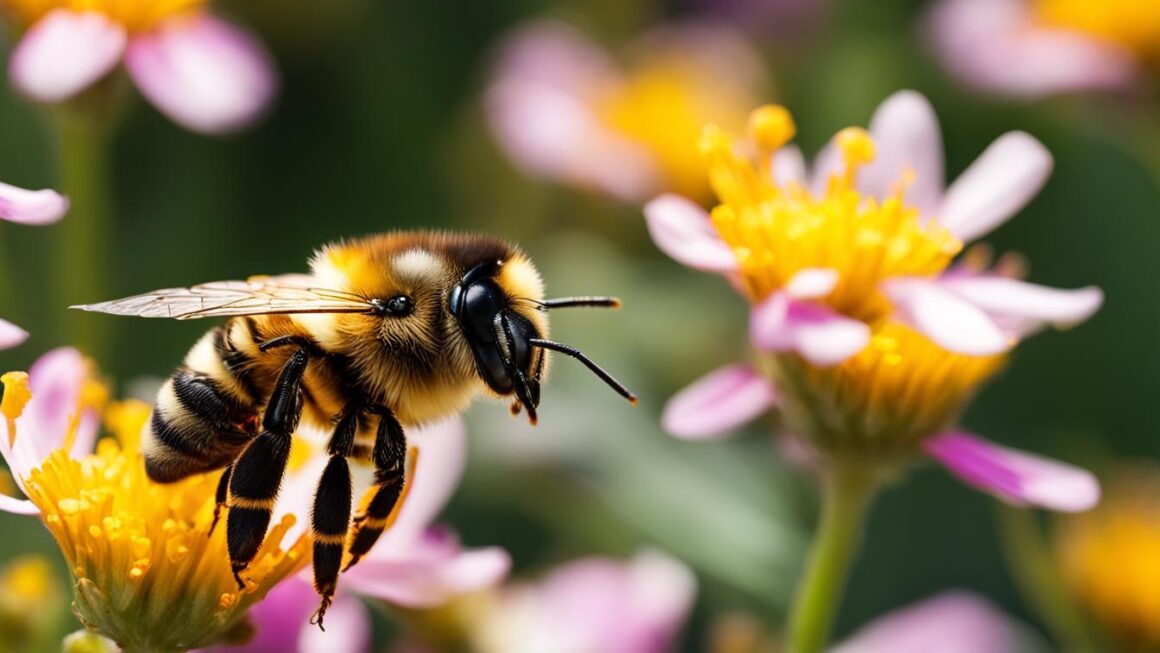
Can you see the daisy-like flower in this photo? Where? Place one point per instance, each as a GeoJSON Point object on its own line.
{"type": "Point", "coordinates": [1034, 48]}
{"type": "Point", "coordinates": [416, 565]}
{"type": "Point", "coordinates": [871, 338]}
{"type": "Point", "coordinates": [204, 73]}
{"type": "Point", "coordinates": [147, 573]}
{"type": "Point", "coordinates": [563, 110]}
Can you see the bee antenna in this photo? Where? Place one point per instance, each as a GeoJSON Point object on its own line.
{"type": "Point", "coordinates": [570, 302]}
{"type": "Point", "coordinates": [588, 362]}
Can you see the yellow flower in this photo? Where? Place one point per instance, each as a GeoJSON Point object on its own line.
{"type": "Point", "coordinates": [31, 603]}
{"type": "Point", "coordinates": [1131, 24]}
{"type": "Point", "coordinates": [133, 15]}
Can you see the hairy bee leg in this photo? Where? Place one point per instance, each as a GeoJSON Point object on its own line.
{"type": "Point", "coordinates": [220, 498]}
{"type": "Point", "coordinates": [257, 474]}
{"type": "Point", "coordinates": [390, 456]}
{"type": "Point", "coordinates": [330, 518]}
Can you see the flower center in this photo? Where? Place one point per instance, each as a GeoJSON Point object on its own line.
{"type": "Point", "coordinates": [779, 230]}
{"type": "Point", "coordinates": [133, 15]}
{"type": "Point", "coordinates": [1133, 24]}
{"type": "Point", "coordinates": [663, 107]}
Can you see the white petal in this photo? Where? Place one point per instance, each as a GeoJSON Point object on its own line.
{"type": "Point", "coordinates": [17, 506]}
{"type": "Point", "coordinates": [909, 143]}
{"type": "Point", "coordinates": [950, 321]}
{"type": "Point", "coordinates": [821, 335]}
{"type": "Point", "coordinates": [789, 167]}
{"type": "Point", "coordinates": [718, 402]}
{"type": "Point", "coordinates": [1003, 297]}
{"type": "Point", "coordinates": [681, 229]}
{"type": "Point", "coordinates": [11, 335]}
{"type": "Point", "coordinates": [65, 52]}
{"type": "Point", "coordinates": [996, 186]}
{"type": "Point", "coordinates": [812, 283]}
{"type": "Point", "coordinates": [827, 163]}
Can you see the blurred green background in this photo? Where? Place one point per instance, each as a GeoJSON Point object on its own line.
{"type": "Point", "coordinates": [380, 126]}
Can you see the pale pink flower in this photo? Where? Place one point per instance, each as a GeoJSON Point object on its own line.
{"type": "Point", "coordinates": [1013, 48]}
{"type": "Point", "coordinates": [57, 381]}
{"type": "Point", "coordinates": [965, 309]}
{"type": "Point", "coordinates": [563, 109]}
{"type": "Point", "coordinates": [951, 622]}
{"type": "Point", "coordinates": [204, 73]}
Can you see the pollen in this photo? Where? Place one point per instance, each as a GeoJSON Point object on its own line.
{"type": "Point", "coordinates": [147, 570]}
{"type": "Point", "coordinates": [133, 15]}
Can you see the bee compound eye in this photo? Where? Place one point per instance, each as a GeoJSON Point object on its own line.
{"type": "Point", "coordinates": [400, 306]}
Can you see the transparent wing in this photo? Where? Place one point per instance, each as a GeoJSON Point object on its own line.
{"type": "Point", "coordinates": [257, 296]}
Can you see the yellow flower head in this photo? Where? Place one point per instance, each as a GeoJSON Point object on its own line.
{"type": "Point", "coordinates": [1131, 24]}
{"type": "Point", "coordinates": [1110, 559]}
{"type": "Point", "coordinates": [148, 573]}
{"type": "Point", "coordinates": [133, 15]}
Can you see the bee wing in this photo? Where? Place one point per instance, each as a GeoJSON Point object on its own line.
{"type": "Point", "coordinates": [292, 293]}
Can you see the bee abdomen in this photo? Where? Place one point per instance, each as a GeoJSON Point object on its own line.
{"type": "Point", "coordinates": [195, 428]}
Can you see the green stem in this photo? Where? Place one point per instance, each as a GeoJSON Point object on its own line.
{"type": "Point", "coordinates": [1034, 571]}
{"type": "Point", "coordinates": [82, 266]}
{"type": "Point", "coordinates": [846, 497]}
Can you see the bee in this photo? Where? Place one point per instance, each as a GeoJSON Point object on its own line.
{"type": "Point", "coordinates": [386, 332]}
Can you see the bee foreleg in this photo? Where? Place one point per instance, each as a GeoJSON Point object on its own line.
{"type": "Point", "coordinates": [390, 456]}
{"type": "Point", "coordinates": [257, 474]}
{"type": "Point", "coordinates": [330, 518]}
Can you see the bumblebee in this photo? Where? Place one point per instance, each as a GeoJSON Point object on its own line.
{"type": "Point", "coordinates": [386, 332]}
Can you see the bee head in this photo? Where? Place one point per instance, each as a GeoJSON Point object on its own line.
{"type": "Point", "coordinates": [500, 336]}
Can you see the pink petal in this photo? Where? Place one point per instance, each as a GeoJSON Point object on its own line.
{"type": "Point", "coordinates": [555, 53]}
{"type": "Point", "coordinates": [681, 229]}
{"type": "Point", "coordinates": [11, 335]}
{"type": "Point", "coordinates": [952, 622]}
{"type": "Point", "coordinates": [55, 380]}
{"type": "Point", "coordinates": [348, 628]}
{"type": "Point", "coordinates": [1019, 478]}
{"type": "Point", "coordinates": [65, 52]}
{"type": "Point", "coordinates": [1026, 305]}
{"type": "Point", "coordinates": [32, 207]}
{"type": "Point", "coordinates": [909, 143]}
{"type": "Point", "coordinates": [821, 335]}
{"type": "Point", "coordinates": [952, 322]}
{"type": "Point", "coordinates": [17, 506]}
{"type": "Point", "coordinates": [812, 283]}
{"type": "Point", "coordinates": [205, 74]}
{"type": "Point", "coordinates": [1000, 182]}
{"type": "Point", "coordinates": [789, 167]}
{"type": "Point", "coordinates": [827, 163]}
{"type": "Point", "coordinates": [718, 403]}
{"type": "Point", "coordinates": [997, 45]}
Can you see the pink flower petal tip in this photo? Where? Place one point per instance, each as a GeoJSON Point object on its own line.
{"type": "Point", "coordinates": [718, 403]}
{"type": "Point", "coordinates": [31, 207]}
{"type": "Point", "coordinates": [681, 229]}
{"type": "Point", "coordinates": [1019, 478]}
{"type": "Point", "coordinates": [64, 53]}
{"type": "Point", "coordinates": [11, 335]}
{"type": "Point", "coordinates": [821, 335]}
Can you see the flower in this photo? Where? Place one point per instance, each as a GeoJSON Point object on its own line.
{"type": "Point", "coordinates": [563, 110]}
{"type": "Point", "coordinates": [871, 338]}
{"type": "Point", "coordinates": [1034, 48]}
{"type": "Point", "coordinates": [1108, 559]}
{"type": "Point", "coordinates": [31, 602]}
{"type": "Point", "coordinates": [202, 72]}
{"type": "Point", "coordinates": [414, 565]}
{"type": "Point", "coordinates": [147, 573]}
{"type": "Point", "coordinates": [951, 622]}
{"type": "Point", "coordinates": [594, 605]}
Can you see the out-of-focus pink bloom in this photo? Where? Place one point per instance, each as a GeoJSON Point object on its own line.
{"type": "Point", "coordinates": [32, 207]}
{"type": "Point", "coordinates": [596, 605]}
{"type": "Point", "coordinates": [204, 73]}
{"type": "Point", "coordinates": [57, 382]}
{"type": "Point", "coordinates": [564, 110]}
{"type": "Point", "coordinates": [1027, 49]}
{"type": "Point", "coordinates": [953, 622]}
{"type": "Point", "coordinates": [966, 309]}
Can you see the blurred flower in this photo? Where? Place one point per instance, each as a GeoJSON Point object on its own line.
{"type": "Point", "coordinates": [147, 573]}
{"type": "Point", "coordinates": [414, 565]}
{"type": "Point", "coordinates": [31, 602]}
{"type": "Point", "coordinates": [202, 72]}
{"type": "Point", "coordinates": [563, 110]}
{"type": "Point", "coordinates": [1033, 48]}
{"type": "Point", "coordinates": [873, 340]}
{"type": "Point", "coordinates": [952, 622]}
{"type": "Point", "coordinates": [32, 207]}
{"type": "Point", "coordinates": [1110, 559]}
{"type": "Point", "coordinates": [595, 605]}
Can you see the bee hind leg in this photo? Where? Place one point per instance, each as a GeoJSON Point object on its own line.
{"type": "Point", "coordinates": [390, 456]}
{"type": "Point", "coordinates": [330, 518]}
{"type": "Point", "coordinates": [221, 497]}
{"type": "Point", "coordinates": [257, 474]}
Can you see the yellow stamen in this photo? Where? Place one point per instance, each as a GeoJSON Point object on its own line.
{"type": "Point", "coordinates": [133, 15]}
{"type": "Point", "coordinates": [16, 396]}
{"type": "Point", "coordinates": [771, 127]}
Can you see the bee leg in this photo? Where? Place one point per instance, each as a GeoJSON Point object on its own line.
{"type": "Point", "coordinates": [330, 518]}
{"type": "Point", "coordinates": [390, 456]}
{"type": "Point", "coordinates": [220, 498]}
{"type": "Point", "coordinates": [258, 472]}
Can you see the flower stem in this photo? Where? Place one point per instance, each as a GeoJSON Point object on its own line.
{"type": "Point", "coordinates": [81, 270]}
{"type": "Point", "coordinates": [846, 497]}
